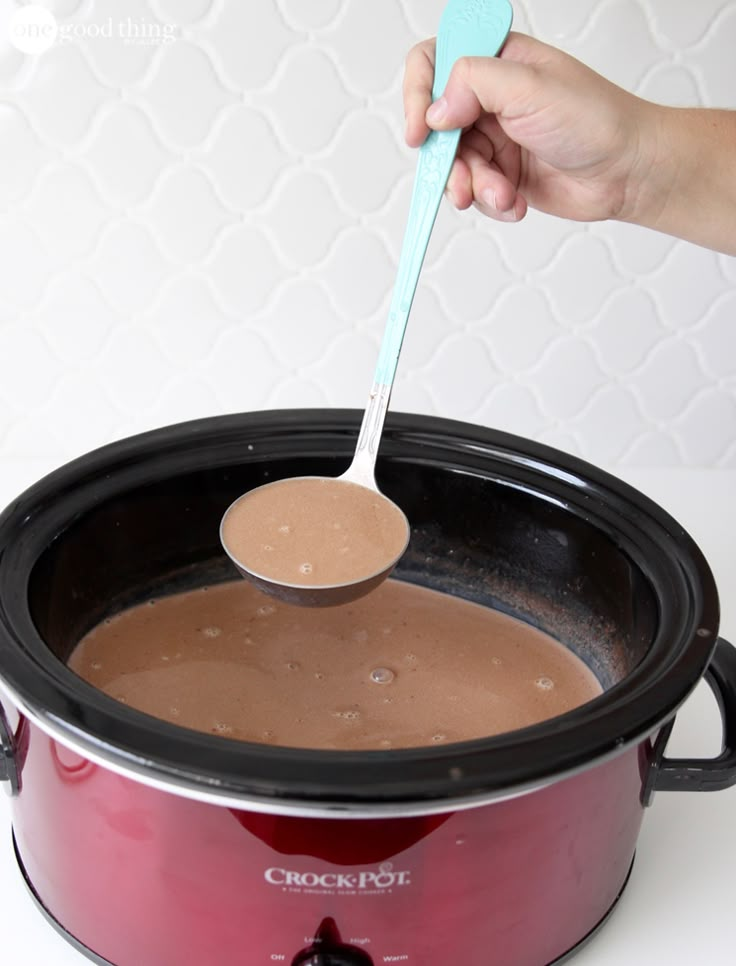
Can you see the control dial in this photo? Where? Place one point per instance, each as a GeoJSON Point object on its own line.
{"type": "Point", "coordinates": [347, 957]}
{"type": "Point", "coordinates": [329, 950]}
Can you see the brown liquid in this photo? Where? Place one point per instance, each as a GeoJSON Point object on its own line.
{"type": "Point", "coordinates": [314, 531]}
{"type": "Point", "coordinates": [403, 667]}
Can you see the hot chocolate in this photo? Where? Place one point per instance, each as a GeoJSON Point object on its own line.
{"type": "Point", "coordinates": [403, 667]}
{"type": "Point", "coordinates": [314, 531]}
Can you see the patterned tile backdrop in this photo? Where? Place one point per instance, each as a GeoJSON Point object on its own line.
{"type": "Point", "coordinates": [202, 201]}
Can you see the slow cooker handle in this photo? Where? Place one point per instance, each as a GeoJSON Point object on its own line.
{"type": "Point", "coordinates": [702, 774]}
{"type": "Point", "coordinates": [8, 765]}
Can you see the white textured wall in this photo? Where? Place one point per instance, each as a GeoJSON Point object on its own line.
{"type": "Point", "coordinates": [212, 225]}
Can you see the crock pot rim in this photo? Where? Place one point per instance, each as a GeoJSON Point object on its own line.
{"type": "Point", "coordinates": [344, 779]}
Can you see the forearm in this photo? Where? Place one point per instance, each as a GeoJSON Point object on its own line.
{"type": "Point", "coordinates": [685, 178]}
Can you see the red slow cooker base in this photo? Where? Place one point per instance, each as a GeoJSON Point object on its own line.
{"type": "Point", "coordinates": [93, 957]}
{"type": "Point", "coordinates": [147, 878]}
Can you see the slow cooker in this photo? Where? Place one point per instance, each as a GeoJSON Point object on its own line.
{"type": "Point", "coordinates": [147, 844]}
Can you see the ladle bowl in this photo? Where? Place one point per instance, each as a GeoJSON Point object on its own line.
{"type": "Point", "coordinates": [318, 592]}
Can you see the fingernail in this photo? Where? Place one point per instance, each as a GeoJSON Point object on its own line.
{"type": "Point", "coordinates": [489, 198]}
{"type": "Point", "coordinates": [437, 111]}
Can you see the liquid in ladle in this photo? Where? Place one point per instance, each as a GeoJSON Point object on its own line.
{"type": "Point", "coordinates": [314, 532]}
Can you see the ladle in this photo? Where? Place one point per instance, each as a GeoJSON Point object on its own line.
{"type": "Point", "coordinates": [467, 28]}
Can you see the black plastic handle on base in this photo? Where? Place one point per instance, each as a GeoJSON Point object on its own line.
{"type": "Point", "coordinates": [701, 774]}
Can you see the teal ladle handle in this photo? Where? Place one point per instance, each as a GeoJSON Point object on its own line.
{"type": "Point", "coordinates": [468, 28]}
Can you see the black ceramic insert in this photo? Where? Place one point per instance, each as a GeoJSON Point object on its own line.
{"type": "Point", "coordinates": [495, 518]}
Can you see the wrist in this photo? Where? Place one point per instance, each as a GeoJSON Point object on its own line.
{"type": "Point", "coordinates": [682, 183]}
{"type": "Point", "coordinates": [652, 174]}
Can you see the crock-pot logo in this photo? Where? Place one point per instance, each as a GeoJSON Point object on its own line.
{"type": "Point", "coordinates": [383, 879]}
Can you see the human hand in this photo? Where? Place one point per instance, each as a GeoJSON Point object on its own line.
{"type": "Point", "coordinates": [540, 129]}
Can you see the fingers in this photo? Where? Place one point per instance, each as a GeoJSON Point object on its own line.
{"type": "Point", "coordinates": [476, 85]}
{"type": "Point", "coordinates": [513, 215]}
{"type": "Point", "coordinates": [505, 85]}
{"type": "Point", "coordinates": [502, 85]}
{"type": "Point", "coordinates": [418, 80]}
{"type": "Point", "coordinates": [473, 181]}
{"type": "Point", "coordinates": [460, 185]}
{"type": "Point", "coordinates": [482, 85]}
{"type": "Point", "coordinates": [486, 171]}
{"type": "Point", "coordinates": [492, 192]}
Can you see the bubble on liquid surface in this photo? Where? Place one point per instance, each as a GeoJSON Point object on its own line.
{"type": "Point", "coordinates": [497, 661]}
{"type": "Point", "coordinates": [174, 712]}
{"type": "Point", "coordinates": [349, 715]}
{"type": "Point", "coordinates": [293, 665]}
{"type": "Point", "coordinates": [438, 738]}
{"type": "Point", "coordinates": [544, 684]}
{"type": "Point", "coordinates": [285, 528]}
{"type": "Point", "coordinates": [382, 675]}
{"type": "Point", "coordinates": [220, 728]}
{"type": "Point", "coordinates": [265, 610]}
{"type": "Point", "coordinates": [212, 631]}
{"type": "Point", "coordinates": [305, 568]}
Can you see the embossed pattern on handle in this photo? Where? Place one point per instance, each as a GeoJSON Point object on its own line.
{"type": "Point", "coordinates": [468, 28]}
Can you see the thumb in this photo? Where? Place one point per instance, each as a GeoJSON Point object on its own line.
{"type": "Point", "coordinates": [480, 85]}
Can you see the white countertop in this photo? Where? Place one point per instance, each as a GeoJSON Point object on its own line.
{"type": "Point", "coordinates": [678, 907]}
